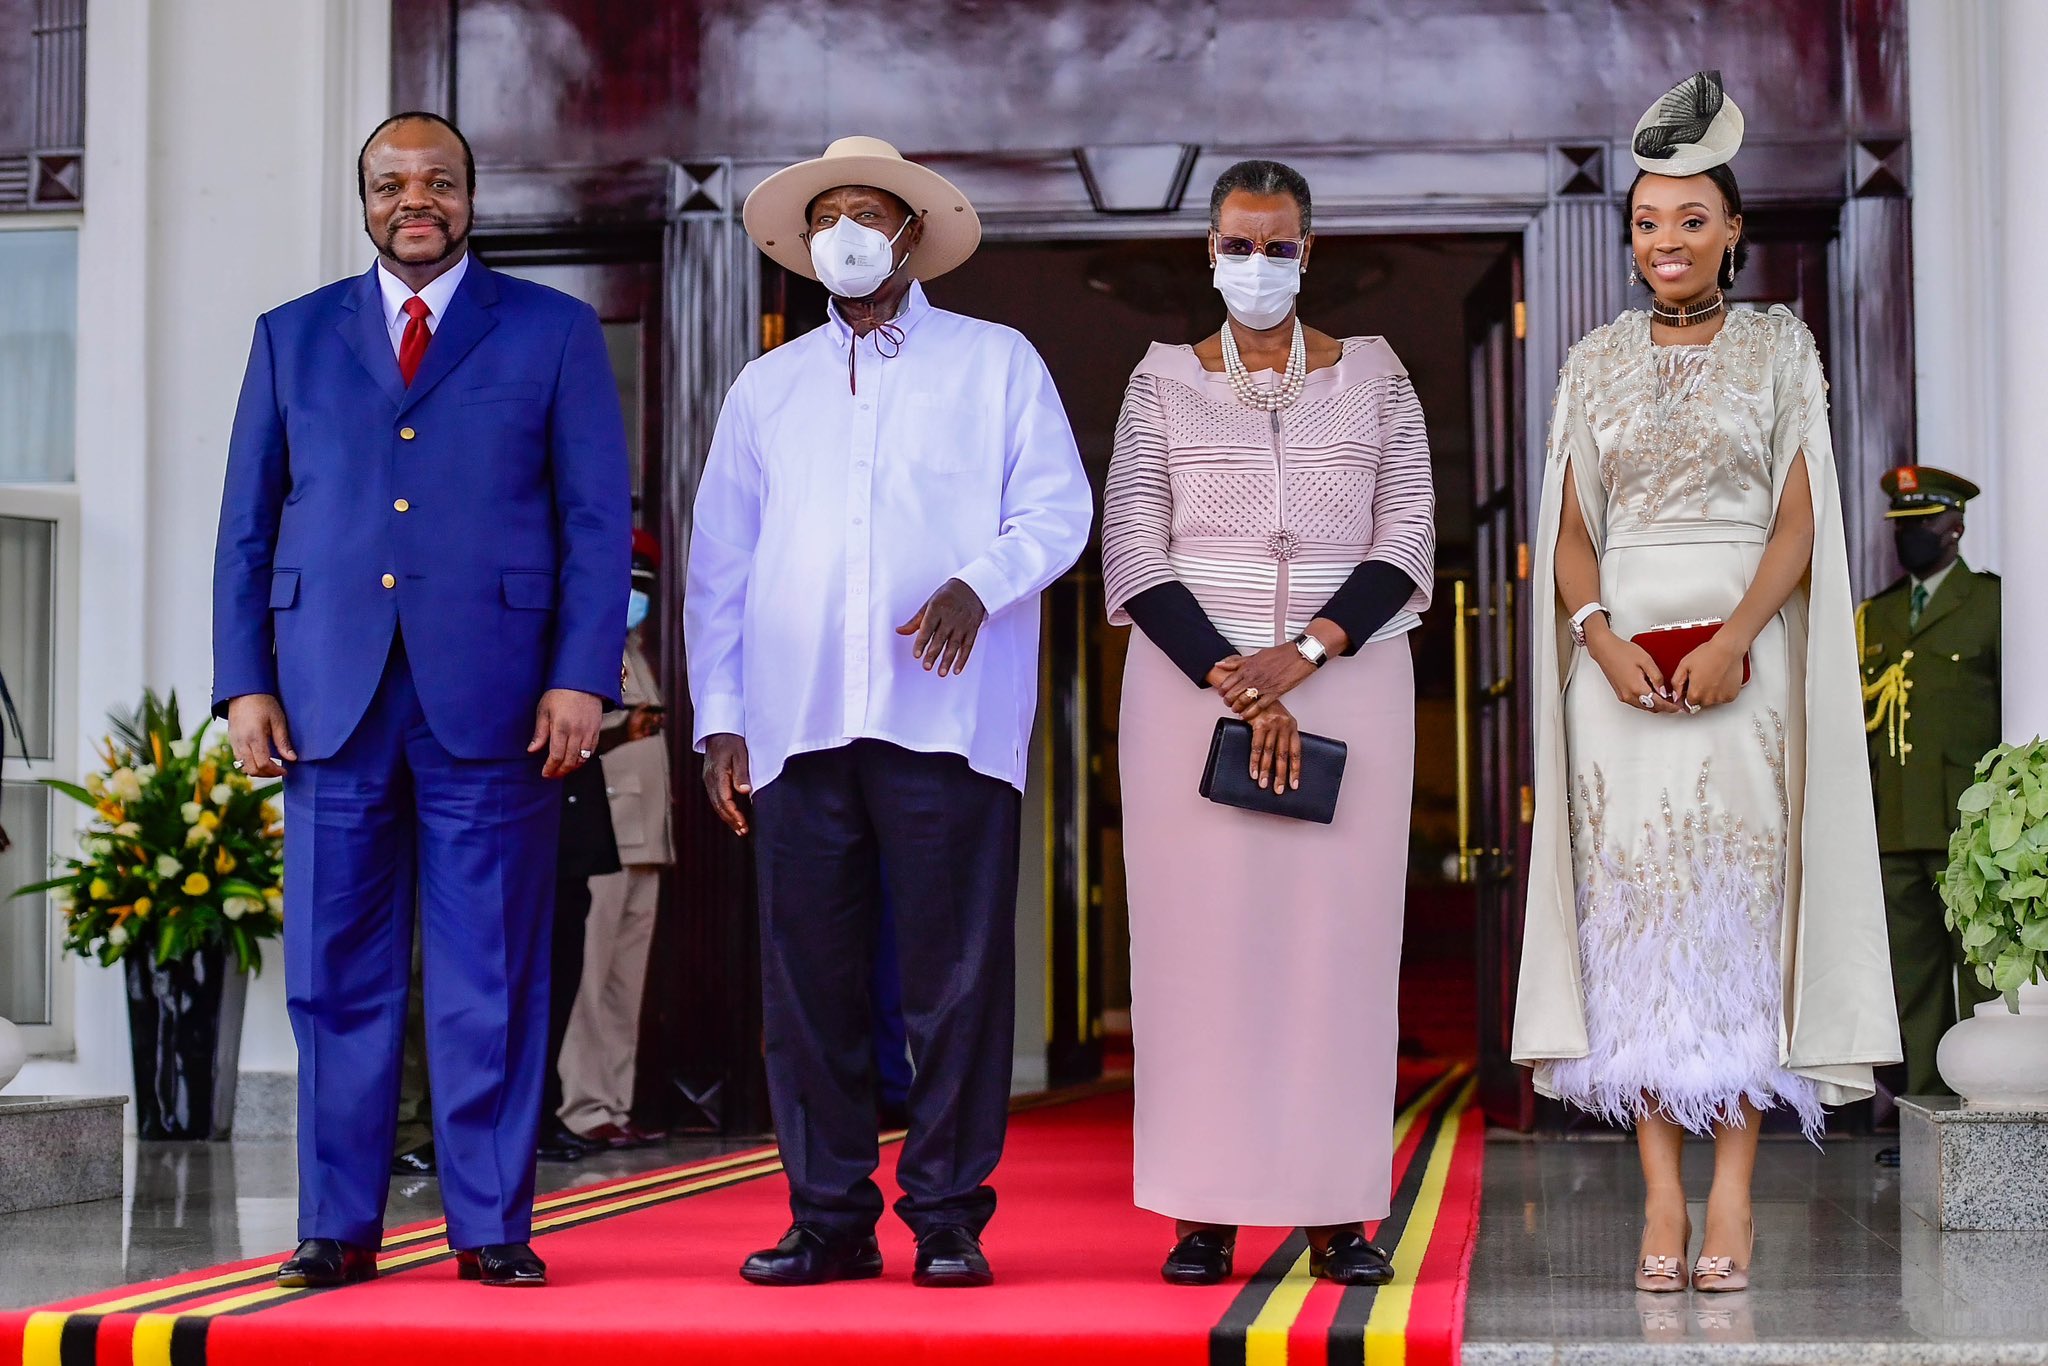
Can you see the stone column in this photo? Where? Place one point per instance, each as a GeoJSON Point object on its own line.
{"type": "Point", "coordinates": [2021, 501]}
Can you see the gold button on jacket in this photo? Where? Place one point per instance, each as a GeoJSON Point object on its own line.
{"type": "Point", "coordinates": [407, 433]}
{"type": "Point", "coordinates": [402, 506]}
{"type": "Point", "coordinates": [390, 582]}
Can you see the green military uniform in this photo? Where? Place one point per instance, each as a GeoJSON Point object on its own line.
{"type": "Point", "coordinates": [1931, 685]}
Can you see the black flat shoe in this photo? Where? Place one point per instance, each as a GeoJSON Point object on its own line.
{"type": "Point", "coordinates": [557, 1144]}
{"type": "Point", "coordinates": [418, 1162]}
{"type": "Point", "coordinates": [949, 1257]}
{"type": "Point", "coordinates": [1204, 1257]}
{"type": "Point", "coordinates": [811, 1255]}
{"type": "Point", "coordinates": [1351, 1260]}
{"type": "Point", "coordinates": [323, 1262]}
{"type": "Point", "coordinates": [502, 1264]}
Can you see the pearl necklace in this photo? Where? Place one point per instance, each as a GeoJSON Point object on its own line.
{"type": "Point", "coordinates": [1249, 391]}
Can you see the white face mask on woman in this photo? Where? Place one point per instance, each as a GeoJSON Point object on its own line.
{"type": "Point", "coordinates": [852, 259]}
{"type": "Point", "coordinates": [1258, 290]}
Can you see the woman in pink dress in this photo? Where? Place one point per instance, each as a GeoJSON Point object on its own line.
{"type": "Point", "coordinates": [1268, 528]}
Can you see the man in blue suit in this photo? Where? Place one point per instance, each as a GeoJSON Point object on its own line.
{"type": "Point", "coordinates": [419, 612]}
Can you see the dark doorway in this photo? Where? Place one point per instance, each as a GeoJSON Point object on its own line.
{"type": "Point", "coordinates": [1091, 307]}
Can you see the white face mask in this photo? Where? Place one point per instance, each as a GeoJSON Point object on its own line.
{"type": "Point", "coordinates": [852, 259]}
{"type": "Point", "coordinates": [1257, 289]}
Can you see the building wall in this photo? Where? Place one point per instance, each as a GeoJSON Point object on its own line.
{"type": "Point", "coordinates": [221, 136]}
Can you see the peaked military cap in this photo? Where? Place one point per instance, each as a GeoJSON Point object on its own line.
{"type": "Point", "coordinates": [1922, 490]}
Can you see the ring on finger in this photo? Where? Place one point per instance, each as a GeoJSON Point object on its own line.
{"type": "Point", "coordinates": [1648, 702]}
{"type": "Point", "coordinates": [1250, 694]}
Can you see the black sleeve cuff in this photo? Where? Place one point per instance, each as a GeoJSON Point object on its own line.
{"type": "Point", "coordinates": [1171, 619]}
{"type": "Point", "coordinates": [1367, 600]}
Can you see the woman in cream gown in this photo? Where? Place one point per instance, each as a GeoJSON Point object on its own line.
{"type": "Point", "coordinates": [1705, 935]}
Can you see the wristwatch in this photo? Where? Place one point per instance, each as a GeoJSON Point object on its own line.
{"type": "Point", "coordinates": [1579, 621]}
{"type": "Point", "coordinates": [1311, 649]}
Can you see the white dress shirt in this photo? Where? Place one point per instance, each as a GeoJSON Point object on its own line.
{"type": "Point", "coordinates": [825, 518]}
{"type": "Point", "coordinates": [1932, 583]}
{"type": "Point", "coordinates": [438, 292]}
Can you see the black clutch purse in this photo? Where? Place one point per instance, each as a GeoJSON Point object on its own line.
{"type": "Point", "coordinates": [1227, 779]}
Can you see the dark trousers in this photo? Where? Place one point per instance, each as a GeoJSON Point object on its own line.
{"type": "Point", "coordinates": [827, 831]}
{"type": "Point", "coordinates": [565, 974]}
{"type": "Point", "coordinates": [1929, 976]}
{"type": "Point", "coordinates": [892, 1046]}
{"type": "Point", "coordinates": [390, 827]}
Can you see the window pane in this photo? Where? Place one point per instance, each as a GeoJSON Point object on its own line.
{"type": "Point", "coordinates": [38, 354]}
{"type": "Point", "coordinates": [25, 924]}
{"type": "Point", "coordinates": [27, 641]}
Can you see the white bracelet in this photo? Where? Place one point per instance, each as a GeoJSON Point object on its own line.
{"type": "Point", "coordinates": [1579, 621]}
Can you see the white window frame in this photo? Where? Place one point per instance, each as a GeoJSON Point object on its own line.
{"type": "Point", "coordinates": [57, 503]}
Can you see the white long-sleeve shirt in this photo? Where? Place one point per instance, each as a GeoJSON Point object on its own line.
{"type": "Point", "coordinates": [826, 517]}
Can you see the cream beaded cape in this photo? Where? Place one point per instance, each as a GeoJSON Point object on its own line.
{"type": "Point", "coordinates": [1838, 1019]}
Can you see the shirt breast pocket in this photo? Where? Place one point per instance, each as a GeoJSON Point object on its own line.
{"type": "Point", "coordinates": [947, 434]}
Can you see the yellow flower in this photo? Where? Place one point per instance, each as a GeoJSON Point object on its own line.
{"type": "Point", "coordinates": [197, 885]}
{"type": "Point", "coordinates": [142, 905]}
{"type": "Point", "coordinates": [209, 820]}
{"type": "Point", "coordinates": [100, 890]}
{"type": "Point", "coordinates": [224, 862]}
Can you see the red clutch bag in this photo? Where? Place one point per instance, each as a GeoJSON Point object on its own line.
{"type": "Point", "coordinates": [1669, 645]}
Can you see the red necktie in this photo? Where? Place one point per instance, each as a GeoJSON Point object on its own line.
{"type": "Point", "coordinates": [412, 347]}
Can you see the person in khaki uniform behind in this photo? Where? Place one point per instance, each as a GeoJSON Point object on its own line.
{"type": "Point", "coordinates": [598, 1055]}
{"type": "Point", "coordinates": [1930, 660]}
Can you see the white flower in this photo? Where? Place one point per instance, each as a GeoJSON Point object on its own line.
{"type": "Point", "coordinates": [146, 772]}
{"type": "Point", "coordinates": [190, 811]}
{"type": "Point", "coordinates": [222, 794]}
{"type": "Point", "coordinates": [118, 936]}
{"type": "Point", "coordinates": [235, 907]}
{"type": "Point", "coordinates": [128, 829]}
{"type": "Point", "coordinates": [97, 785]}
{"type": "Point", "coordinates": [167, 866]}
{"type": "Point", "coordinates": [181, 749]}
{"type": "Point", "coordinates": [195, 837]}
{"type": "Point", "coordinates": [96, 846]}
{"type": "Point", "coordinates": [124, 784]}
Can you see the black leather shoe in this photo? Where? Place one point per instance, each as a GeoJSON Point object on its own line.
{"type": "Point", "coordinates": [557, 1144]}
{"type": "Point", "coordinates": [811, 1255]}
{"type": "Point", "coordinates": [1351, 1260]}
{"type": "Point", "coordinates": [1204, 1257]}
{"type": "Point", "coordinates": [951, 1257]}
{"type": "Point", "coordinates": [418, 1162]}
{"type": "Point", "coordinates": [503, 1264]}
{"type": "Point", "coordinates": [323, 1262]}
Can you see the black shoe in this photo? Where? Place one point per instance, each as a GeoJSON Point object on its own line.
{"type": "Point", "coordinates": [506, 1264]}
{"type": "Point", "coordinates": [812, 1255]}
{"type": "Point", "coordinates": [951, 1256]}
{"type": "Point", "coordinates": [557, 1144]}
{"type": "Point", "coordinates": [1351, 1260]}
{"type": "Point", "coordinates": [1204, 1257]}
{"type": "Point", "coordinates": [418, 1162]}
{"type": "Point", "coordinates": [1888, 1157]}
{"type": "Point", "coordinates": [323, 1262]}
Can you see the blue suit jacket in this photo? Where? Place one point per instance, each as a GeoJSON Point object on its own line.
{"type": "Point", "coordinates": [493, 492]}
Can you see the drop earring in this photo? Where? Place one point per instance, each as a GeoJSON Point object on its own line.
{"type": "Point", "coordinates": [1634, 276]}
{"type": "Point", "coordinates": [1728, 269]}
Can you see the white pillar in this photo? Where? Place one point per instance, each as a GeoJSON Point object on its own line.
{"type": "Point", "coordinates": [1953, 60]}
{"type": "Point", "coordinates": [2021, 504]}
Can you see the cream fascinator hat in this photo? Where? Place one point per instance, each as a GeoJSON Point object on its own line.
{"type": "Point", "coordinates": [1693, 129]}
{"type": "Point", "coordinates": [774, 212]}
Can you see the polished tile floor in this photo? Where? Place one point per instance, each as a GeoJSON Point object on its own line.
{"type": "Point", "coordinates": [1841, 1273]}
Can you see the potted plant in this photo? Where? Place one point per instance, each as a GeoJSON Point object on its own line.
{"type": "Point", "coordinates": [1996, 892]}
{"type": "Point", "coordinates": [179, 879]}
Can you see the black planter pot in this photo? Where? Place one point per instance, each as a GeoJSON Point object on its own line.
{"type": "Point", "coordinates": [185, 1027]}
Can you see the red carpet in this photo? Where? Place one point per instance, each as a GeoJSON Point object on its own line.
{"type": "Point", "coordinates": [644, 1272]}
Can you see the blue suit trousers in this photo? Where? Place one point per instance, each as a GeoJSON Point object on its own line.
{"type": "Point", "coordinates": [389, 821]}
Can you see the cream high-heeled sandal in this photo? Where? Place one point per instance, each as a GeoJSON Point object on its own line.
{"type": "Point", "coordinates": [1720, 1275]}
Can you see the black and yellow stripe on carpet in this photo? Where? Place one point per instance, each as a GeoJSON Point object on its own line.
{"type": "Point", "coordinates": [643, 1270]}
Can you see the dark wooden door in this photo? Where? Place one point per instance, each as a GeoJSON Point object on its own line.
{"type": "Point", "coordinates": [1492, 734]}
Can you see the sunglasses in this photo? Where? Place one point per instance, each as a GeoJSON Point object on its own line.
{"type": "Point", "coordinates": [1279, 249]}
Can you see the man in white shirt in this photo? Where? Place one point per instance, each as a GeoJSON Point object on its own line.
{"type": "Point", "coordinates": [884, 499]}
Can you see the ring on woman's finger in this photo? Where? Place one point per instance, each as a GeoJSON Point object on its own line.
{"type": "Point", "coordinates": [1649, 703]}
{"type": "Point", "coordinates": [1250, 694]}
{"type": "Point", "coordinates": [1693, 707]}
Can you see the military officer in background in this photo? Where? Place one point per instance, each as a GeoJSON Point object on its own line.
{"type": "Point", "coordinates": [1930, 657]}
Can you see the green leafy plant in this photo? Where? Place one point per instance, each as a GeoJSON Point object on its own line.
{"type": "Point", "coordinates": [183, 853]}
{"type": "Point", "coordinates": [1996, 884]}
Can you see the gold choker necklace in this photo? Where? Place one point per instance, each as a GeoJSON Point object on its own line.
{"type": "Point", "coordinates": [1684, 316]}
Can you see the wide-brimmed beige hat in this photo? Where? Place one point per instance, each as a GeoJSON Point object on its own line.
{"type": "Point", "coordinates": [774, 212]}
